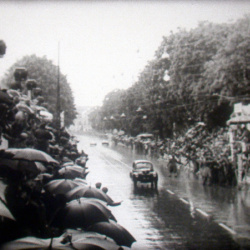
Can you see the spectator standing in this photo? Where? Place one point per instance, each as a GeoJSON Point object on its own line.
{"type": "Point", "coordinates": [42, 136]}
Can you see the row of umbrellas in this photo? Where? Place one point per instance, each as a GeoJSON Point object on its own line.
{"type": "Point", "coordinates": [55, 204]}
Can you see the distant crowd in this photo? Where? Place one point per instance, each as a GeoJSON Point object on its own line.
{"type": "Point", "coordinates": [203, 152]}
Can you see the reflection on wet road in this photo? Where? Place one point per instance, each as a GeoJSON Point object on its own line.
{"type": "Point", "coordinates": [181, 215]}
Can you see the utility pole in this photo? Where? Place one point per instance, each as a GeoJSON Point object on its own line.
{"type": "Point", "coordinates": [58, 104]}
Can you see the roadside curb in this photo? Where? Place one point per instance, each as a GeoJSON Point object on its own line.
{"type": "Point", "coordinates": [203, 213]}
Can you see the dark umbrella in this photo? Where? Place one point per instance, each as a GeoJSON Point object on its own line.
{"type": "Point", "coordinates": [82, 213]}
{"type": "Point", "coordinates": [44, 178]}
{"type": "Point", "coordinates": [86, 240]}
{"type": "Point", "coordinates": [87, 191]}
{"type": "Point", "coordinates": [5, 98]}
{"type": "Point", "coordinates": [23, 107]}
{"type": "Point", "coordinates": [81, 181]}
{"type": "Point", "coordinates": [68, 163]}
{"type": "Point", "coordinates": [60, 186]}
{"type": "Point", "coordinates": [30, 154]}
{"type": "Point", "coordinates": [81, 161]}
{"type": "Point", "coordinates": [115, 231]}
{"type": "Point", "coordinates": [34, 243]}
{"type": "Point", "coordinates": [13, 93]}
{"type": "Point", "coordinates": [42, 134]}
{"type": "Point", "coordinates": [23, 165]}
{"type": "Point", "coordinates": [71, 172]}
{"type": "Point", "coordinates": [5, 212]}
{"type": "Point", "coordinates": [2, 191]}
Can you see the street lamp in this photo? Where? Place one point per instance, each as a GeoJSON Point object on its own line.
{"type": "Point", "coordinates": [123, 122]}
{"type": "Point", "coordinates": [105, 122]}
{"type": "Point", "coordinates": [166, 76]}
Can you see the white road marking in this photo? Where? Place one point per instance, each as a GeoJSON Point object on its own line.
{"type": "Point", "coordinates": [202, 212]}
{"type": "Point", "coordinates": [169, 191]}
{"type": "Point", "coordinates": [172, 193]}
{"type": "Point", "coordinates": [227, 228]}
{"type": "Point", "coordinates": [126, 165]}
{"type": "Point", "coordinates": [185, 201]}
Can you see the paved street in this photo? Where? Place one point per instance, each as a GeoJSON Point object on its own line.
{"type": "Point", "coordinates": [181, 215]}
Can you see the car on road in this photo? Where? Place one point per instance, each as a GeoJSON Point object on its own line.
{"type": "Point", "coordinates": [105, 143]}
{"type": "Point", "coordinates": [143, 172]}
{"type": "Point", "coordinates": [93, 144]}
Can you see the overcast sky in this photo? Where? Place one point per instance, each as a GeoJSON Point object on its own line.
{"type": "Point", "coordinates": [104, 45]}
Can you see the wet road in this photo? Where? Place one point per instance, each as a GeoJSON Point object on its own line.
{"type": "Point", "coordinates": [181, 215]}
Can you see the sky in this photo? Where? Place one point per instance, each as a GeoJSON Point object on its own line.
{"type": "Point", "coordinates": [101, 45]}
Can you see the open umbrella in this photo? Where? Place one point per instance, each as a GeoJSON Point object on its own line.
{"type": "Point", "coordinates": [85, 240]}
{"type": "Point", "coordinates": [81, 161]}
{"type": "Point", "coordinates": [44, 177]}
{"type": "Point", "coordinates": [2, 191]}
{"type": "Point", "coordinates": [33, 243]}
{"type": "Point", "coordinates": [82, 213]}
{"type": "Point", "coordinates": [46, 116]}
{"type": "Point", "coordinates": [30, 154]}
{"type": "Point", "coordinates": [80, 181]}
{"type": "Point", "coordinates": [71, 172]}
{"type": "Point", "coordinates": [23, 165]}
{"type": "Point", "coordinates": [23, 107]}
{"type": "Point", "coordinates": [87, 191]}
{"type": "Point", "coordinates": [13, 93]}
{"type": "Point", "coordinates": [69, 163]}
{"type": "Point", "coordinates": [5, 98]}
{"type": "Point", "coordinates": [5, 212]}
{"type": "Point", "coordinates": [115, 231]}
{"type": "Point", "coordinates": [60, 186]}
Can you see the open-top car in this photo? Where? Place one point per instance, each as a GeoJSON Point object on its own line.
{"type": "Point", "coordinates": [143, 171]}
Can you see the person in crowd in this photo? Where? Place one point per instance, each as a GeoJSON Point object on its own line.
{"type": "Point", "coordinates": [244, 137]}
{"type": "Point", "coordinates": [172, 166]}
{"type": "Point", "coordinates": [245, 167]}
{"type": "Point", "coordinates": [42, 136]}
{"type": "Point", "coordinates": [98, 185]}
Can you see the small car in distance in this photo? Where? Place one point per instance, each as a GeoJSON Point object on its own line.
{"type": "Point", "coordinates": [105, 143]}
{"type": "Point", "coordinates": [143, 171]}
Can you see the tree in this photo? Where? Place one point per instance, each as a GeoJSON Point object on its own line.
{"type": "Point", "coordinates": [228, 71]}
{"type": "Point", "coordinates": [46, 75]}
{"type": "Point", "coordinates": [196, 75]}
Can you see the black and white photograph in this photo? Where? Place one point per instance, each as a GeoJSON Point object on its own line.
{"type": "Point", "coordinates": [125, 124]}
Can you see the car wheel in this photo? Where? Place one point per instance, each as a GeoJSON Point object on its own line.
{"type": "Point", "coordinates": [135, 183]}
{"type": "Point", "coordinates": [156, 184]}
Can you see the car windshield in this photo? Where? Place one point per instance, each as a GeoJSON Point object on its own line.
{"type": "Point", "coordinates": [142, 165]}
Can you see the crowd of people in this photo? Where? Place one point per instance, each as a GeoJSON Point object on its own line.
{"type": "Point", "coordinates": [37, 195]}
{"type": "Point", "coordinates": [26, 122]}
{"type": "Point", "coordinates": [204, 153]}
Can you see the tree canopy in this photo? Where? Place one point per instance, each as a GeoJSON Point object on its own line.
{"type": "Point", "coordinates": [196, 75]}
{"type": "Point", "coordinates": [46, 74]}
